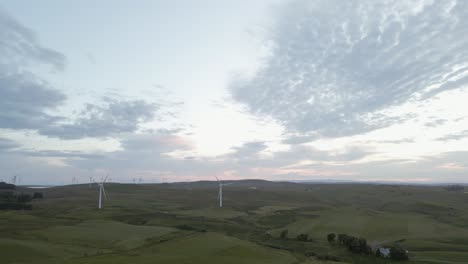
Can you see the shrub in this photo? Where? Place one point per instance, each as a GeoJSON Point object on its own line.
{"type": "Point", "coordinates": [23, 198]}
{"type": "Point", "coordinates": [328, 257]}
{"type": "Point", "coordinates": [38, 195]}
{"type": "Point", "coordinates": [284, 234]}
{"type": "Point", "coordinates": [7, 186]}
{"type": "Point", "coordinates": [303, 237]}
{"type": "Point", "coordinates": [354, 244]}
{"type": "Point", "coordinates": [331, 237]}
{"type": "Point", "coordinates": [398, 253]}
{"type": "Point", "coordinates": [342, 238]}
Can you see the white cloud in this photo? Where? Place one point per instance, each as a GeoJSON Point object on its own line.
{"type": "Point", "coordinates": [336, 67]}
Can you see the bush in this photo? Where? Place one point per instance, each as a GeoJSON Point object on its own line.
{"type": "Point", "coordinates": [38, 195]}
{"type": "Point", "coordinates": [342, 238]}
{"type": "Point", "coordinates": [7, 186]}
{"type": "Point", "coordinates": [354, 244]}
{"type": "Point", "coordinates": [328, 257]}
{"type": "Point", "coordinates": [331, 237]}
{"type": "Point", "coordinates": [15, 206]}
{"type": "Point", "coordinates": [284, 234]}
{"type": "Point", "coordinates": [302, 237]}
{"type": "Point", "coordinates": [23, 198]}
{"type": "Point", "coordinates": [398, 253]}
{"type": "Point", "coordinates": [455, 188]}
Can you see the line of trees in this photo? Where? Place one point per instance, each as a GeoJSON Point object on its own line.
{"type": "Point", "coordinates": [9, 200]}
{"type": "Point", "coordinates": [7, 186]}
{"type": "Point", "coordinates": [300, 237]}
{"type": "Point", "coordinates": [455, 188]}
{"type": "Point", "coordinates": [358, 245]}
{"type": "Point", "coordinates": [397, 252]}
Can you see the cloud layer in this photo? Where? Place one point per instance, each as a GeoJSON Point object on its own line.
{"type": "Point", "coordinates": [336, 66]}
{"type": "Point", "coordinates": [337, 72]}
{"type": "Point", "coordinates": [26, 100]}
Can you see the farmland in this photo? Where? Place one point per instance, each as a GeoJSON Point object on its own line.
{"type": "Point", "coordinates": [182, 223]}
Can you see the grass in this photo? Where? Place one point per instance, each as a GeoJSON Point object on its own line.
{"type": "Point", "coordinates": [174, 223]}
{"type": "Point", "coordinates": [103, 234]}
{"type": "Point", "coordinates": [198, 248]}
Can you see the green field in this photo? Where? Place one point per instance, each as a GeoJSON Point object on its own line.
{"type": "Point", "coordinates": [181, 223]}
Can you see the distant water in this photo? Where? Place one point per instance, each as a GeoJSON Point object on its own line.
{"type": "Point", "coordinates": [37, 187]}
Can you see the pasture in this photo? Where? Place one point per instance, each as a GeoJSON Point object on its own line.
{"type": "Point", "coordinates": [181, 223]}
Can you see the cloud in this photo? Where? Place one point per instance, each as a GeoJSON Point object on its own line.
{"type": "Point", "coordinates": [7, 144]}
{"type": "Point", "coordinates": [454, 136]}
{"type": "Point", "coordinates": [452, 166]}
{"type": "Point", "coordinates": [157, 143]}
{"type": "Point", "coordinates": [111, 118]}
{"type": "Point", "coordinates": [25, 98]}
{"type": "Point", "coordinates": [436, 123]}
{"type": "Point", "coordinates": [60, 154]}
{"type": "Point", "coordinates": [337, 66]}
{"type": "Point", "coordinates": [249, 150]}
{"type": "Point", "coordinates": [255, 160]}
{"type": "Point", "coordinates": [19, 47]}
{"type": "Point", "coordinates": [299, 139]}
{"type": "Point", "coordinates": [146, 155]}
{"type": "Point", "coordinates": [24, 101]}
{"type": "Point", "coordinates": [397, 141]}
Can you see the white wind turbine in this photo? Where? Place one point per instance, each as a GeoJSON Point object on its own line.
{"type": "Point", "coordinates": [91, 180]}
{"type": "Point", "coordinates": [101, 191]}
{"type": "Point", "coordinates": [220, 194]}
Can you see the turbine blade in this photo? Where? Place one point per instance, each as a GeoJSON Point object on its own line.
{"type": "Point", "coordinates": [105, 179]}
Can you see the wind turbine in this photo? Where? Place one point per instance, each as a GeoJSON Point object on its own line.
{"type": "Point", "coordinates": [91, 180]}
{"type": "Point", "coordinates": [102, 190]}
{"type": "Point", "coordinates": [220, 194]}
{"type": "Point", "coordinates": [13, 179]}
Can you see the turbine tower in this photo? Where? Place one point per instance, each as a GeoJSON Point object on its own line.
{"type": "Point", "coordinates": [220, 194]}
{"type": "Point", "coordinates": [101, 191]}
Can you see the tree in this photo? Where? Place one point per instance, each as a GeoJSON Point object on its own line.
{"type": "Point", "coordinates": [397, 252]}
{"type": "Point", "coordinates": [38, 195]}
{"type": "Point", "coordinates": [284, 234]}
{"type": "Point", "coordinates": [303, 237]}
{"type": "Point", "coordinates": [363, 247]}
{"type": "Point", "coordinates": [23, 198]}
{"type": "Point", "coordinates": [354, 245]}
{"type": "Point", "coordinates": [343, 239]}
{"type": "Point", "coordinates": [331, 237]}
{"type": "Point", "coordinates": [7, 186]}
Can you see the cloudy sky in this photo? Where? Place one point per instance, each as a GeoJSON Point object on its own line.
{"type": "Point", "coordinates": [282, 90]}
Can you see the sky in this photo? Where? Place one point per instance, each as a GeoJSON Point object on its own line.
{"type": "Point", "coordinates": [279, 90]}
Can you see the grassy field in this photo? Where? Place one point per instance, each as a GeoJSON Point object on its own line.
{"type": "Point", "coordinates": [181, 223]}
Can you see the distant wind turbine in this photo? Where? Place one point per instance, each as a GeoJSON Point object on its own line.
{"type": "Point", "coordinates": [220, 194]}
{"type": "Point", "coordinates": [91, 180]}
{"type": "Point", "coordinates": [13, 179]}
{"type": "Point", "coordinates": [101, 191]}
